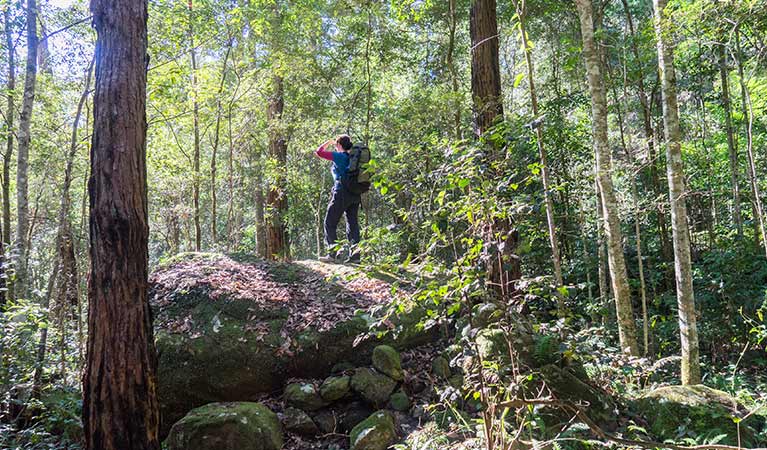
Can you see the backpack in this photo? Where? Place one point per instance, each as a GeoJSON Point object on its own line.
{"type": "Point", "coordinates": [357, 179]}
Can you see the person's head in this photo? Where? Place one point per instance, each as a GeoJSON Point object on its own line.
{"type": "Point", "coordinates": [343, 143]}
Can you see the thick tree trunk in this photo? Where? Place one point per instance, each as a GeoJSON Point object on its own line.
{"type": "Point", "coordinates": [485, 67]}
{"type": "Point", "coordinates": [552, 227]}
{"type": "Point", "coordinates": [276, 198]}
{"type": "Point", "coordinates": [22, 182]}
{"type": "Point", "coordinates": [120, 407]}
{"type": "Point", "coordinates": [732, 149]}
{"type": "Point", "coordinates": [618, 274]}
{"type": "Point", "coordinates": [8, 156]}
{"type": "Point", "coordinates": [677, 190]}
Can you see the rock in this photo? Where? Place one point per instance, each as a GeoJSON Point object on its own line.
{"type": "Point", "coordinates": [374, 433]}
{"type": "Point", "coordinates": [303, 396]}
{"type": "Point", "coordinates": [399, 401]}
{"type": "Point", "coordinates": [335, 388]}
{"type": "Point", "coordinates": [227, 426]}
{"type": "Point", "coordinates": [676, 412]}
{"type": "Point", "coordinates": [223, 341]}
{"type": "Point", "coordinates": [456, 381]}
{"type": "Point", "coordinates": [486, 313]}
{"type": "Point", "coordinates": [387, 361]}
{"type": "Point", "coordinates": [440, 367]}
{"type": "Point", "coordinates": [342, 367]}
{"type": "Point", "coordinates": [327, 420]}
{"type": "Point", "coordinates": [373, 386]}
{"type": "Point", "coordinates": [297, 421]}
{"type": "Point", "coordinates": [353, 414]}
{"type": "Point", "coordinates": [566, 386]}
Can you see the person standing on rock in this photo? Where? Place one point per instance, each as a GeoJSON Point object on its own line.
{"type": "Point", "coordinates": [350, 182]}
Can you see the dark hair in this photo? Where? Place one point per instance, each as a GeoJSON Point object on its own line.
{"type": "Point", "coordinates": [345, 141]}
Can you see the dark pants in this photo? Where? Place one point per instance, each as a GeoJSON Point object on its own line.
{"type": "Point", "coordinates": [342, 202]}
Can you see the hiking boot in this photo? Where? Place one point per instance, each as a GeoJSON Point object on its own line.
{"type": "Point", "coordinates": [353, 259]}
{"type": "Point", "coordinates": [330, 259]}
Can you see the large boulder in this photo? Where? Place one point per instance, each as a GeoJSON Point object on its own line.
{"type": "Point", "coordinates": [377, 432]}
{"type": "Point", "coordinates": [227, 426]}
{"type": "Point", "coordinates": [699, 412]}
{"type": "Point", "coordinates": [228, 328]}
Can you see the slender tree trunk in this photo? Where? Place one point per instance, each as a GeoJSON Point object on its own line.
{"type": "Point", "coordinates": [452, 19]}
{"type": "Point", "coordinates": [604, 288]}
{"type": "Point", "coordinates": [759, 227]}
{"type": "Point", "coordinates": [618, 274]}
{"type": "Point", "coordinates": [196, 122]}
{"type": "Point", "coordinates": [120, 407]}
{"type": "Point", "coordinates": [22, 181]}
{"type": "Point", "coordinates": [485, 67]}
{"type": "Point", "coordinates": [8, 156]}
{"type": "Point", "coordinates": [260, 221]}
{"type": "Point", "coordinates": [732, 149]}
{"type": "Point", "coordinates": [61, 235]}
{"type": "Point", "coordinates": [276, 197]}
{"type": "Point", "coordinates": [677, 191]}
{"type": "Point", "coordinates": [550, 221]}
{"type": "Point", "coordinates": [216, 135]}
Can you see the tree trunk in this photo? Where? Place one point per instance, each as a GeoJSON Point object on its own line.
{"type": "Point", "coordinates": [260, 221]}
{"type": "Point", "coordinates": [618, 274]}
{"type": "Point", "coordinates": [217, 133]}
{"type": "Point", "coordinates": [677, 191]}
{"type": "Point", "coordinates": [552, 227]}
{"type": "Point", "coordinates": [120, 407]}
{"type": "Point", "coordinates": [22, 181]}
{"type": "Point", "coordinates": [485, 67]}
{"type": "Point", "coordinates": [759, 227]}
{"type": "Point", "coordinates": [196, 123]}
{"type": "Point", "coordinates": [276, 198]}
{"type": "Point", "coordinates": [732, 150]}
{"type": "Point", "coordinates": [7, 157]}
{"type": "Point", "coordinates": [452, 19]}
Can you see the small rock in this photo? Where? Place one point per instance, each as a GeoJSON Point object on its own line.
{"type": "Point", "coordinates": [440, 367]}
{"type": "Point", "coordinates": [387, 361]}
{"type": "Point", "coordinates": [399, 401]}
{"type": "Point", "coordinates": [227, 426]}
{"type": "Point", "coordinates": [327, 421]}
{"type": "Point", "coordinates": [303, 396]}
{"type": "Point", "coordinates": [456, 381]}
{"type": "Point", "coordinates": [373, 386]}
{"type": "Point", "coordinates": [374, 433]}
{"type": "Point", "coordinates": [335, 388]}
{"type": "Point", "coordinates": [297, 421]}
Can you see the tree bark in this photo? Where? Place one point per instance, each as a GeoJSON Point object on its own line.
{"type": "Point", "coordinates": [552, 227]}
{"type": "Point", "coordinates": [22, 169]}
{"type": "Point", "coordinates": [120, 407]}
{"type": "Point", "coordinates": [7, 157]}
{"type": "Point", "coordinates": [485, 67]}
{"type": "Point", "coordinates": [452, 19]}
{"type": "Point", "coordinates": [732, 149]}
{"type": "Point", "coordinates": [618, 274]}
{"type": "Point", "coordinates": [276, 198]}
{"type": "Point", "coordinates": [216, 135]}
{"type": "Point", "coordinates": [677, 191]}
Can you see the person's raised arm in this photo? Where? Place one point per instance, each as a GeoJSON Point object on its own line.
{"type": "Point", "coordinates": [322, 152]}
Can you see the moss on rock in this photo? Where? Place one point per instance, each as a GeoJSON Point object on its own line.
{"type": "Point", "coordinates": [227, 426]}
{"type": "Point", "coordinates": [377, 432]}
{"type": "Point", "coordinates": [387, 361]}
{"type": "Point", "coordinates": [374, 387]}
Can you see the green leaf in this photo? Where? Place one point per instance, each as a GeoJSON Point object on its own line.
{"type": "Point", "coordinates": [518, 79]}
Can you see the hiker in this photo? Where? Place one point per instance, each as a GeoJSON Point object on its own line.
{"type": "Point", "coordinates": [350, 183]}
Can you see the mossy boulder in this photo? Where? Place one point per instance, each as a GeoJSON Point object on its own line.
{"type": "Point", "coordinates": [374, 387]}
{"type": "Point", "coordinates": [229, 328]}
{"type": "Point", "coordinates": [399, 401]}
{"type": "Point", "coordinates": [565, 385]}
{"type": "Point", "coordinates": [386, 359]}
{"type": "Point", "coordinates": [377, 432]}
{"type": "Point", "coordinates": [303, 396]}
{"type": "Point", "coordinates": [440, 367]}
{"type": "Point", "coordinates": [335, 388]}
{"type": "Point", "coordinates": [227, 426]}
{"type": "Point", "coordinates": [699, 412]}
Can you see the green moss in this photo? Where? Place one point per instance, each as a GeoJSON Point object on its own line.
{"type": "Point", "coordinates": [387, 361]}
{"type": "Point", "coordinates": [374, 433]}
